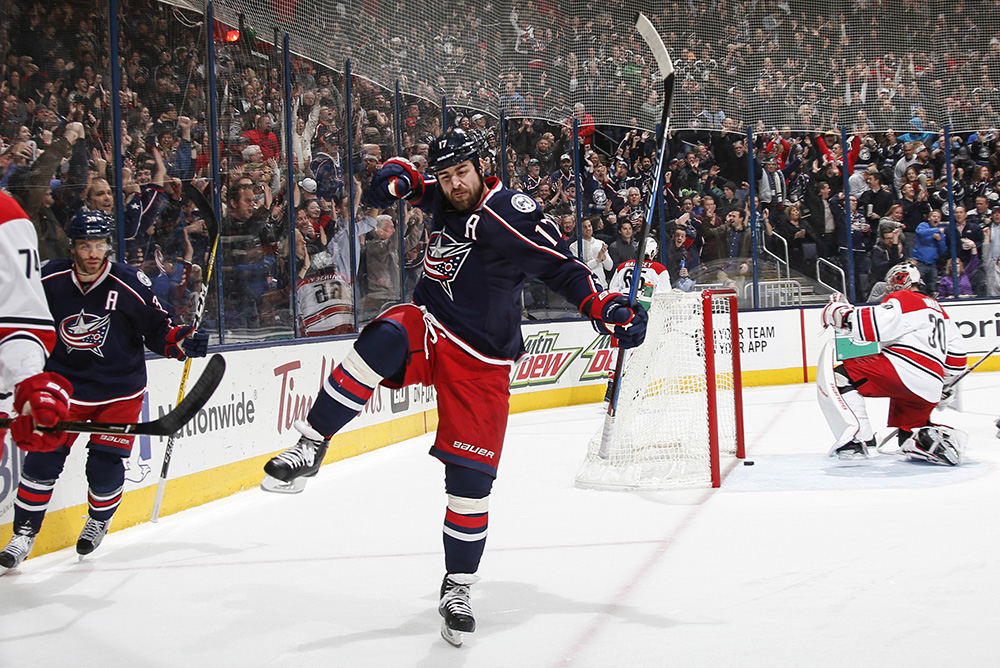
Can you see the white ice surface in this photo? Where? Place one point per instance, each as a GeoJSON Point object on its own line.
{"type": "Point", "coordinates": [798, 560]}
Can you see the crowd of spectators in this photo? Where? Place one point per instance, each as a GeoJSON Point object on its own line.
{"type": "Point", "coordinates": [57, 156]}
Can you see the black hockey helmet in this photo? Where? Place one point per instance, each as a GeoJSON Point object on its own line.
{"type": "Point", "coordinates": [452, 148]}
{"type": "Point", "coordinates": [91, 225]}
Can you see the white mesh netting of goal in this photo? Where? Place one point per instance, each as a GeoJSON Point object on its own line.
{"type": "Point", "coordinates": [666, 413]}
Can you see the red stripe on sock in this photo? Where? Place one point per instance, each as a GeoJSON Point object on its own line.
{"type": "Point", "coordinates": [34, 497]}
{"type": "Point", "coordinates": [466, 521]}
{"type": "Point", "coordinates": [342, 378]}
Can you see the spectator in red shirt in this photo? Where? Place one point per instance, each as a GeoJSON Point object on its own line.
{"type": "Point", "coordinates": [585, 123]}
{"type": "Point", "coordinates": [262, 136]}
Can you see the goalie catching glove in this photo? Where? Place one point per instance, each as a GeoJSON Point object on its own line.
{"type": "Point", "coordinates": [398, 177]}
{"type": "Point", "coordinates": [183, 342]}
{"type": "Point", "coordinates": [610, 313]}
{"type": "Point", "coordinates": [837, 312]}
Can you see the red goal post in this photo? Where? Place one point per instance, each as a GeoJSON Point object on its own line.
{"type": "Point", "coordinates": [680, 407]}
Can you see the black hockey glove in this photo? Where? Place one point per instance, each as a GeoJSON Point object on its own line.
{"type": "Point", "coordinates": [610, 313]}
{"type": "Point", "coordinates": [184, 341]}
{"type": "Point", "coordinates": [397, 178]}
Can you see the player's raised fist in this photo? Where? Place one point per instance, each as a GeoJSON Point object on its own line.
{"type": "Point", "coordinates": [397, 178]}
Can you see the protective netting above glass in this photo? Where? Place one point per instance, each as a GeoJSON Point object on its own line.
{"type": "Point", "coordinates": [905, 66]}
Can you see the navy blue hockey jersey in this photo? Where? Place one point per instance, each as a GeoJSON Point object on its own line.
{"type": "Point", "coordinates": [102, 330]}
{"type": "Point", "coordinates": [477, 262]}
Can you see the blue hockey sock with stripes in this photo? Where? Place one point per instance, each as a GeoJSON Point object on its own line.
{"type": "Point", "coordinates": [466, 519]}
{"type": "Point", "coordinates": [379, 352]}
{"type": "Point", "coordinates": [105, 483]}
{"type": "Point", "coordinates": [34, 491]}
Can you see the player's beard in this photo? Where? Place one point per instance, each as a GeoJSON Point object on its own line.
{"type": "Point", "coordinates": [88, 269]}
{"type": "Point", "coordinates": [469, 199]}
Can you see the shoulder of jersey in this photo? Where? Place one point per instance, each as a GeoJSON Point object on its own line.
{"type": "Point", "coordinates": [55, 266]}
{"type": "Point", "coordinates": [10, 209]}
{"type": "Point", "coordinates": [505, 202]}
{"type": "Point", "coordinates": [130, 275]}
{"type": "Point", "coordinates": [908, 300]}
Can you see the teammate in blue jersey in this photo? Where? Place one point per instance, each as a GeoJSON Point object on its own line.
{"type": "Point", "coordinates": [461, 334]}
{"type": "Point", "coordinates": [105, 314]}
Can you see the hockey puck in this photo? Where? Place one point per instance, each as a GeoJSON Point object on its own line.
{"type": "Point", "coordinates": [747, 462]}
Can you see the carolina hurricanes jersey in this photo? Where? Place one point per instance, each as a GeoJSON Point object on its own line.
{"type": "Point", "coordinates": [326, 304]}
{"type": "Point", "coordinates": [477, 262]}
{"type": "Point", "coordinates": [26, 331]}
{"type": "Point", "coordinates": [102, 329]}
{"type": "Point", "coordinates": [655, 278]}
{"type": "Point", "coordinates": [917, 337]}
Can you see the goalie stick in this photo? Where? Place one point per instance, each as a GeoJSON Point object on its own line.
{"type": "Point", "coordinates": [666, 67]}
{"type": "Point", "coordinates": [163, 426]}
{"type": "Point", "coordinates": [212, 223]}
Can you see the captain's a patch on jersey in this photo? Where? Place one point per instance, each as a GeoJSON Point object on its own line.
{"type": "Point", "coordinates": [523, 203]}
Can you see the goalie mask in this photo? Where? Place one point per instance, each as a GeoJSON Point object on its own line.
{"type": "Point", "coordinates": [902, 277]}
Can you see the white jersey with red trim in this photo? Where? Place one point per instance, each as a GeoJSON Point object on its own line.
{"type": "Point", "coordinates": [655, 278]}
{"type": "Point", "coordinates": [917, 337]}
{"type": "Point", "coordinates": [27, 333]}
{"type": "Point", "coordinates": [326, 304]}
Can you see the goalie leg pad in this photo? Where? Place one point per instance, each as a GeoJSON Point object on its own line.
{"type": "Point", "coordinates": [936, 444]}
{"type": "Point", "coordinates": [842, 405]}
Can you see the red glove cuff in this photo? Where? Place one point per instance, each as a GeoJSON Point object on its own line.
{"type": "Point", "coordinates": [47, 396]}
{"type": "Point", "coordinates": [174, 337]}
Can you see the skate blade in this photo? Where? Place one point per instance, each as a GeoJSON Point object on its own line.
{"type": "Point", "coordinates": [453, 637]}
{"type": "Point", "coordinates": [272, 484]}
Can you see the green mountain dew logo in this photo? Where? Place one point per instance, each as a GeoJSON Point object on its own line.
{"type": "Point", "coordinates": [601, 358]}
{"type": "Point", "coordinates": [543, 364]}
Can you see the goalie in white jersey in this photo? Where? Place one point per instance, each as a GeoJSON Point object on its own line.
{"type": "Point", "coordinates": [921, 353]}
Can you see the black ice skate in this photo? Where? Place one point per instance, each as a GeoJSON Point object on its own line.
{"type": "Point", "coordinates": [454, 607]}
{"type": "Point", "coordinates": [17, 549]}
{"type": "Point", "coordinates": [287, 473]}
{"type": "Point", "coordinates": [91, 536]}
{"type": "Point", "coordinates": [855, 450]}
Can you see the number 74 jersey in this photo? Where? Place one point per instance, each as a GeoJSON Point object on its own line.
{"type": "Point", "coordinates": [26, 330]}
{"type": "Point", "coordinates": [917, 337]}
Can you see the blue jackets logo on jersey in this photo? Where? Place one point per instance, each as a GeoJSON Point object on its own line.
{"type": "Point", "coordinates": [84, 331]}
{"type": "Point", "coordinates": [445, 257]}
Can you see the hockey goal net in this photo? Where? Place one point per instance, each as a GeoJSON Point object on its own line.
{"type": "Point", "coordinates": [680, 403]}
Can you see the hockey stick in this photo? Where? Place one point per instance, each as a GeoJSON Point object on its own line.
{"type": "Point", "coordinates": [666, 67]}
{"type": "Point", "coordinates": [213, 229]}
{"type": "Point", "coordinates": [972, 368]}
{"type": "Point", "coordinates": [163, 426]}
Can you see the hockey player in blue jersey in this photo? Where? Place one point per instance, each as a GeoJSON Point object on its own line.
{"type": "Point", "coordinates": [462, 335]}
{"type": "Point", "coordinates": [105, 314]}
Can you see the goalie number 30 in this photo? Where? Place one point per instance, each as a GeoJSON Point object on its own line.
{"type": "Point", "coordinates": [937, 338]}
